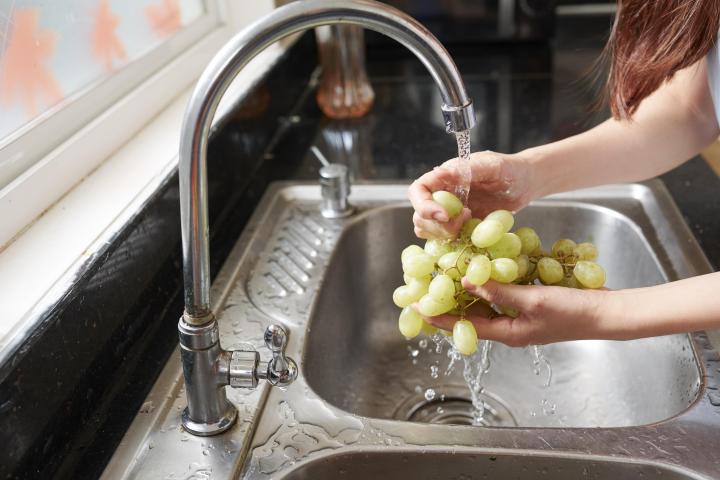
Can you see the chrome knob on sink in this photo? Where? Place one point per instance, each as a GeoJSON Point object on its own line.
{"type": "Point", "coordinates": [246, 369]}
{"type": "Point", "coordinates": [281, 371]}
{"type": "Point", "coordinates": [208, 368]}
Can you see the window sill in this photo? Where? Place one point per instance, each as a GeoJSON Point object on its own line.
{"type": "Point", "coordinates": [39, 265]}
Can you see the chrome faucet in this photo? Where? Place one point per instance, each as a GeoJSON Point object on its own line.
{"type": "Point", "coordinates": [207, 368]}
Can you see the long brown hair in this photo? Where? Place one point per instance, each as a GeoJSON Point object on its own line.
{"type": "Point", "coordinates": [650, 41]}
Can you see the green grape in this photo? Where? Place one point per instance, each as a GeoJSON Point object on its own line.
{"type": "Point", "coordinates": [452, 204]}
{"type": "Point", "coordinates": [465, 337]}
{"type": "Point", "coordinates": [450, 261]}
{"type": "Point", "coordinates": [438, 248]}
{"type": "Point", "coordinates": [410, 323]}
{"type": "Point", "coordinates": [409, 251]}
{"type": "Point", "coordinates": [563, 248]}
{"type": "Point", "coordinates": [406, 295]}
{"type": "Point", "coordinates": [550, 270]}
{"type": "Point", "coordinates": [408, 279]}
{"type": "Point", "coordinates": [478, 271]}
{"type": "Point", "coordinates": [523, 263]}
{"type": "Point", "coordinates": [504, 217]}
{"type": "Point", "coordinates": [419, 265]}
{"type": "Point", "coordinates": [442, 288]}
{"type": "Point", "coordinates": [508, 246]}
{"type": "Point", "coordinates": [430, 307]}
{"type": "Point", "coordinates": [428, 329]}
{"type": "Point", "coordinates": [586, 251]}
{"type": "Point", "coordinates": [468, 227]}
{"type": "Point", "coordinates": [529, 238]}
{"type": "Point", "coordinates": [589, 274]}
{"type": "Point", "coordinates": [504, 270]}
{"type": "Point", "coordinates": [487, 233]}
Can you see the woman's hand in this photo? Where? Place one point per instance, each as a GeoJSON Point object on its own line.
{"type": "Point", "coordinates": [499, 181]}
{"type": "Point", "coordinates": [547, 315]}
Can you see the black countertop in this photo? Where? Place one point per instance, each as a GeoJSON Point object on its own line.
{"type": "Point", "coordinates": [73, 387]}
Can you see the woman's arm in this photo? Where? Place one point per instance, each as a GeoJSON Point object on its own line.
{"type": "Point", "coordinates": [672, 125]}
{"type": "Point", "coordinates": [555, 314]}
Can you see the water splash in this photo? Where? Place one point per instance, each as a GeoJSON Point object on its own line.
{"type": "Point", "coordinates": [429, 394]}
{"type": "Point", "coordinates": [540, 361]}
{"type": "Point", "coordinates": [476, 366]}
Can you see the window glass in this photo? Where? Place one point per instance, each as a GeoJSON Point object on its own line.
{"type": "Point", "coordinates": [53, 49]}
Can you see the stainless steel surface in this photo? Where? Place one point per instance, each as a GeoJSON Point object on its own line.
{"type": "Point", "coordinates": [207, 403]}
{"type": "Point", "coordinates": [335, 188]}
{"type": "Point", "coordinates": [295, 17]}
{"type": "Point", "coordinates": [243, 371]}
{"type": "Point", "coordinates": [208, 411]}
{"type": "Point", "coordinates": [595, 383]}
{"type": "Point", "coordinates": [282, 267]}
{"type": "Point", "coordinates": [454, 464]}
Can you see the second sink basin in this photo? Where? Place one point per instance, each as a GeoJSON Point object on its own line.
{"type": "Point", "coordinates": [353, 337]}
{"type": "Point", "coordinates": [439, 464]}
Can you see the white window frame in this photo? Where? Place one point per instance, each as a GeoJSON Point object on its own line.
{"type": "Point", "coordinates": [59, 213]}
{"type": "Point", "coordinates": [55, 151]}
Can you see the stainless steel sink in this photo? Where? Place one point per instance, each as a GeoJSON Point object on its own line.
{"type": "Point", "coordinates": [453, 464]}
{"type": "Point", "coordinates": [594, 383]}
{"type": "Point", "coordinates": [624, 410]}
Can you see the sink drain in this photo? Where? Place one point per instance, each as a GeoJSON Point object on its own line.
{"type": "Point", "coordinates": [452, 406]}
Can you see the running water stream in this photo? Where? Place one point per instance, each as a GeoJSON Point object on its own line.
{"type": "Point", "coordinates": [476, 366]}
{"type": "Point", "coordinates": [463, 143]}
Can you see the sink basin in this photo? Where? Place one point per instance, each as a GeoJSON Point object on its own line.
{"type": "Point", "coordinates": [594, 383]}
{"type": "Point", "coordinates": [434, 465]}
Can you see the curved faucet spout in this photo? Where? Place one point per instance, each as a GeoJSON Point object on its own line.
{"type": "Point", "coordinates": [295, 17]}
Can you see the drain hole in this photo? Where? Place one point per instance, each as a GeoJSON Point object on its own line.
{"type": "Point", "coordinates": [449, 407]}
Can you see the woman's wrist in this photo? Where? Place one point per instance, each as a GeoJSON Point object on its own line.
{"type": "Point", "coordinates": [611, 316]}
{"type": "Point", "coordinates": [539, 179]}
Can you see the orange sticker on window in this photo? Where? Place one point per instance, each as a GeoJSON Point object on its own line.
{"type": "Point", "coordinates": [107, 47]}
{"type": "Point", "coordinates": [164, 17]}
{"type": "Point", "coordinates": [24, 74]}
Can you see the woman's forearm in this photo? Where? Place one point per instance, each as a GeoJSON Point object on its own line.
{"type": "Point", "coordinates": [670, 127]}
{"type": "Point", "coordinates": [683, 306]}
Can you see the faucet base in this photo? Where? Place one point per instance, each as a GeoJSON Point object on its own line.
{"type": "Point", "coordinates": [208, 429]}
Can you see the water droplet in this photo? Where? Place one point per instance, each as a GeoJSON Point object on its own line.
{"type": "Point", "coordinates": [429, 394]}
{"type": "Point", "coordinates": [423, 343]}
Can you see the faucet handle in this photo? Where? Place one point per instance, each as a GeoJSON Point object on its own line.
{"type": "Point", "coordinates": [281, 370]}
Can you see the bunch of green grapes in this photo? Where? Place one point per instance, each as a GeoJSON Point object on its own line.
{"type": "Point", "coordinates": [485, 249]}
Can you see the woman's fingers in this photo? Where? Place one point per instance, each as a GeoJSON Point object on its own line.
{"type": "Point", "coordinates": [421, 190]}
{"type": "Point", "coordinates": [445, 322]}
{"type": "Point", "coordinates": [428, 229]}
{"type": "Point", "coordinates": [514, 332]}
{"type": "Point", "coordinates": [509, 295]}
